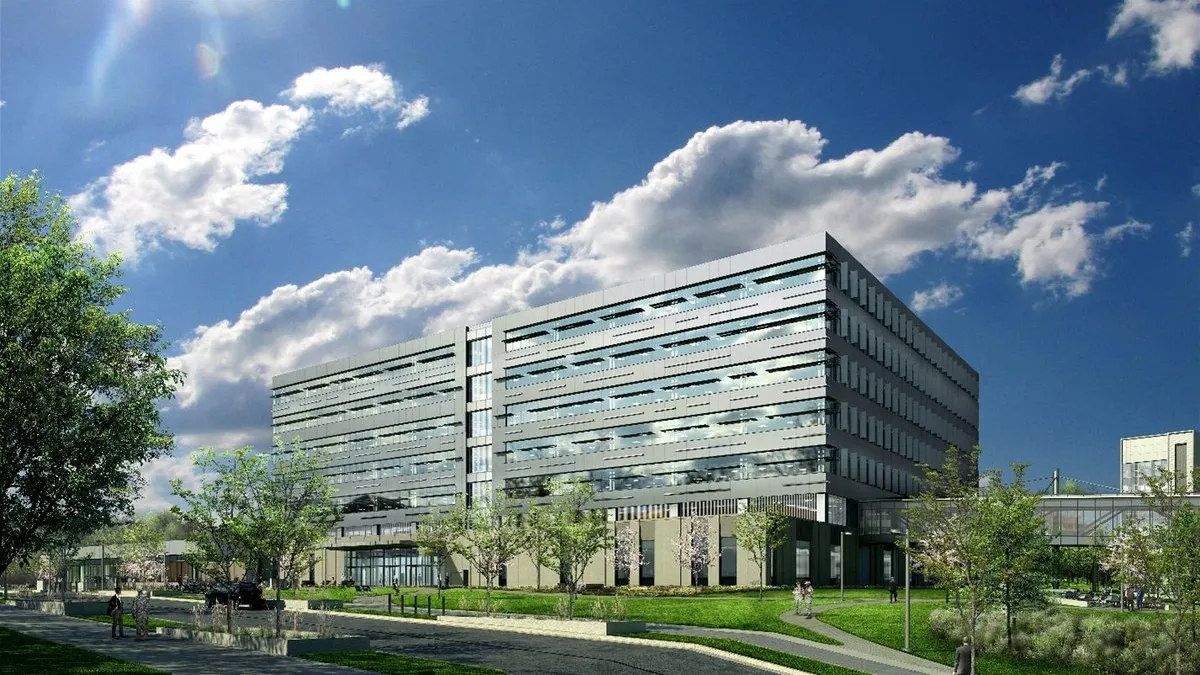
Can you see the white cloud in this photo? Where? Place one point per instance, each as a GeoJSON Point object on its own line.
{"type": "Point", "coordinates": [1174, 27]}
{"type": "Point", "coordinates": [1196, 189]}
{"type": "Point", "coordinates": [2, 104]}
{"type": "Point", "coordinates": [1101, 182]}
{"type": "Point", "coordinates": [1117, 75]}
{"type": "Point", "coordinates": [1130, 228]}
{"type": "Point", "coordinates": [1053, 85]}
{"type": "Point", "coordinates": [727, 190]}
{"type": "Point", "coordinates": [970, 166]}
{"type": "Point", "coordinates": [936, 297]}
{"type": "Point", "coordinates": [355, 89]}
{"type": "Point", "coordinates": [196, 193]}
{"type": "Point", "coordinates": [1185, 237]}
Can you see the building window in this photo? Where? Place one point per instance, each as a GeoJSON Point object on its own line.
{"type": "Point", "coordinates": [835, 561]}
{"type": "Point", "coordinates": [480, 424]}
{"type": "Point", "coordinates": [646, 571]}
{"type": "Point", "coordinates": [481, 387]}
{"type": "Point", "coordinates": [728, 563]}
{"type": "Point", "coordinates": [479, 459]}
{"type": "Point", "coordinates": [802, 561]}
{"type": "Point", "coordinates": [479, 352]}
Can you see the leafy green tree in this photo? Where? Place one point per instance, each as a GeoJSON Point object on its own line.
{"type": "Point", "coordinates": [289, 510]}
{"type": "Point", "coordinates": [948, 539]}
{"type": "Point", "coordinates": [579, 533]}
{"type": "Point", "coordinates": [80, 384]}
{"type": "Point", "coordinates": [141, 550]}
{"type": "Point", "coordinates": [1017, 546]}
{"type": "Point", "coordinates": [486, 533]}
{"type": "Point", "coordinates": [218, 514]}
{"type": "Point", "coordinates": [537, 536]}
{"type": "Point", "coordinates": [760, 530]}
{"type": "Point", "coordinates": [1175, 562]}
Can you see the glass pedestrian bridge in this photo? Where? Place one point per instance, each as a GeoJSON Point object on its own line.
{"type": "Point", "coordinates": [1071, 520]}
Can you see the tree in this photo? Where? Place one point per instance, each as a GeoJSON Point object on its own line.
{"type": "Point", "coordinates": [1174, 560]}
{"type": "Point", "coordinates": [217, 514]}
{"type": "Point", "coordinates": [537, 536]}
{"type": "Point", "coordinates": [51, 566]}
{"type": "Point", "coordinates": [947, 538]}
{"type": "Point", "coordinates": [760, 530]}
{"type": "Point", "coordinates": [80, 382]}
{"type": "Point", "coordinates": [1017, 544]}
{"type": "Point", "coordinates": [140, 548]}
{"type": "Point", "coordinates": [579, 533]}
{"type": "Point", "coordinates": [627, 554]}
{"type": "Point", "coordinates": [486, 533]}
{"type": "Point", "coordinates": [434, 534]}
{"type": "Point", "coordinates": [289, 511]}
{"type": "Point", "coordinates": [694, 548]}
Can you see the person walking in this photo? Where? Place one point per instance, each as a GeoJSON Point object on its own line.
{"type": "Point", "coordinates": [892, 590]}
{"type": "Point", "coordinates": [962, 659]}
{"type": "Point", "coordinates": [798, 596]}
{"type": "Point", "coordinates": [141, 613]}
{"type": "Point", "coordinates": [808, 599]}
{"type": "Point", "coordinates": [114, 611]}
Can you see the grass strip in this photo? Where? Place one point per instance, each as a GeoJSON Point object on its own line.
{"type": "Point", "coordinates": [755, 652]}
{"type": "Point", "coordinates": [381, 612]}
{"type": "Point", "coordinates": [382, 662]}
{"type": "Point", "coordinates": [27, 654]}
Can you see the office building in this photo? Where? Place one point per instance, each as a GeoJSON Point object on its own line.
{"type": "Point", "coordinates": [1144, 456]}
{"type": "Point", "coordinates": [788, 374]}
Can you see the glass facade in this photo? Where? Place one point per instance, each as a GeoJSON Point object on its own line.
{"type": "Point", "coordinates": [383, 566]}
{"type": "Point", "coordinates": [1134, 474]}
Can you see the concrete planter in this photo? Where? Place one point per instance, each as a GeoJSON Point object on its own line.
{"type": "Point", "coordinates": [69, 608]}
{"type": "Point", "coordinates": [271, 645]}
{"type": "Point", "coordinates": [579, 627]}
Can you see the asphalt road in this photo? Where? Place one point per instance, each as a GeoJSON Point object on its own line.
{"type": "Point", "coordinates": [515, 653]}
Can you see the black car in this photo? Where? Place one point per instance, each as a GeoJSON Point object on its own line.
{"type": "Point", "coordinates": [242, 593]}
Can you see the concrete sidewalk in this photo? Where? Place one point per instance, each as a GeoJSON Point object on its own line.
{"type": "Point", "coordinates": [180, 657]}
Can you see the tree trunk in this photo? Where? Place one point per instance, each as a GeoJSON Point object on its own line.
{"type": "Point", "coordinates": [1008, 623]}
{"type": "Point", "coordinates": [487, 597]}
{"type": "Point", "coordinates": [278, 613]}
{"type": "Point", "coordinates": [538, 572]}
{"type": "Point", "coordinates": [761, 581]}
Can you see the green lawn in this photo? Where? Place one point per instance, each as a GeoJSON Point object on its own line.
{"type": "Point", "coordinates": [380, 662]}
{"type": "Point", "coordinates": [127, 620]}
{"type": "Point", "coordinates": [884, 624]}
{"type": "Point", "coordinates": [755, 652]}
{"type": "Point", "coordinates": [25, 654]}
{"type": "Point", "coordinates": [738, 611]}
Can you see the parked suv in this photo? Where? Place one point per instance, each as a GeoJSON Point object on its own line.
{"type": "Point", "coordinates": [241, 592]}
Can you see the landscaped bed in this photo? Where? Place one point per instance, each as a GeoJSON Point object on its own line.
{"type": "Point", "coordinates": [293, 643]}
{"type": "Point", "coordinates": [128, 621]}
{"type": "Point", "coordinates": [884, 624]}
{"type": "Point", "coordinates": [26, 654]}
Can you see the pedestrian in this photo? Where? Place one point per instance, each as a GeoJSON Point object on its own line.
{"type": "Point", "coordinates": [1129, 598]}
{"type": "Point", "coordinates": [798, 596]}
{"type": "Point", "coordinates": [808, 599]}
{"type": "Point", "coordinates": [395, 582]}
{"type": "Point", "coordinates": [114, 611]}
{"type": "Point", "coordinates": [962, 658]}
{"type": "Point", "coordinates": [1141, 597]}
{"type": "Point", "coordinates": [141, 614]}
{"type": "Point", "coordinates": [892, 589]}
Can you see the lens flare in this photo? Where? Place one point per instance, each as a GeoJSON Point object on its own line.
{"type": "Point", "coordinates": [344, 4]}
{"type": "Point", "coordinates": [208, 61]}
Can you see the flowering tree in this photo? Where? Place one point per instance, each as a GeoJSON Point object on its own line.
{"type": "Point", "coordinates": [693, 549]}
{"type": "Point", "coordinates": [1130, 554]}
{"type": "Point", "coordinates": [628, 553]}
{"type": "Point", "coordinates": [486, 533]}
{"type": "Point", "coordinates": [140, 548]}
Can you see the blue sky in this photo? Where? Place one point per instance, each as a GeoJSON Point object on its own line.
{"type": "Point", "coordinates": [293, 181]}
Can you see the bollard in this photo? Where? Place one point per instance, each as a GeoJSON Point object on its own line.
{"type": "Point", "coordinates": [443, 605]}
{"type": "Point", "coordinates": [429, 605]}
{"type": "Point", "coordinates": [401, 603]}
{"type": "Point", "coordinates": [389, 603]}
{"type": "Point", "coordinates": [415, 597]}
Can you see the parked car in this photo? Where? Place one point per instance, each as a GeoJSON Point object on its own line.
{"type": "Point", "coordinates": [242, 593]}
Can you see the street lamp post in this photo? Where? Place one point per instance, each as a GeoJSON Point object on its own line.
{"type": "Point", "coordinates": [907, 589]}
{"type": "Point", "coordinates": [842, 564]}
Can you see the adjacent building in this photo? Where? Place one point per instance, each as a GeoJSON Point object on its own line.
{"type": "Point", "coordinates": [788, 374]}
{"type": "Point", "coordinates": [1144, 456]}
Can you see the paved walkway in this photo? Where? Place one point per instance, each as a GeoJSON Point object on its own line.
{"type": "Point", "coordinates": [179, 657]}
{"type": "Point", "coordinates": [865, 649]}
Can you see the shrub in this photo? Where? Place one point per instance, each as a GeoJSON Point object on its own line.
{"type": "Point", "coordinates": [561, 609]}
{"type": "Point", "coordinates": [617, 609]}
{"type": "Point", "coordinates": [599, 609]}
